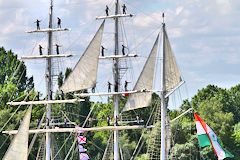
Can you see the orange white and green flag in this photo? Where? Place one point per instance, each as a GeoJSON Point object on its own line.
{"type": "Point", "coordinates": [207, 137]}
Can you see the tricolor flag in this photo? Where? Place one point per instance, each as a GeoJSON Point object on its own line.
{"type": "Point", "coordinates": [81, 149]}
{"type": "Point", "coordinates": [83, 156]}
{"type": "Point", "coordinates": [207, 137]}
{"type": "Point", "coordinates": [81, 139]}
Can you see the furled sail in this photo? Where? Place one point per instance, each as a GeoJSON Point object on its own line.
{"type": "Point", "coordinates": [172, 74]}
{"type": "Point", "coordinates": [18, 149]}
{"type": "Point", "coordinates": [145, 81]}
{"type": "Point", "coordinates": [84, 74]}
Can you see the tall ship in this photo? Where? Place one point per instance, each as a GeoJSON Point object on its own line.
{"type": "Point", "coordinates": [82, 82]}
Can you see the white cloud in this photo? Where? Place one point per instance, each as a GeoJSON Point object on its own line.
{"type": "Point", "coordinates": [179, 10]}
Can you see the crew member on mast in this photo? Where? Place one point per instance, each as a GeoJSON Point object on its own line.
{"type": "Point", "coordinates": [116, 121]}
{"type": "Point", "coordinates": [93, 88]}
{"type": "Point", "coordinates": [106, 10]}
{"type": "Point", "coordinates": [123, 49]}
{"type": "Point", "coordinates": [59, 22]}
{"type": "Point", "coordinates": [109, 86]}
{"type": "Point", "coordinates": [27, 99]}
{"type": "Point", "coordinates": [38, 96]}
{"type": "Point", "coordinates": [125, 85]}
{"type": "Point", "coordinates": [57, 48]}
{"type": "Point", "coordinates": [116, 86]}
{"type": "Point", "coordinates": [38, 24]}
{"type": "Point", "coordinates": [51, 93]}
{"type": "Point", "coordinates": [102, 50]}
{"type": "Point", "coordinates": [40, 49]}
{"type": "Point", "coordinates": [124, 8]}
{"type": "Point", "coordinates": [62, 95]}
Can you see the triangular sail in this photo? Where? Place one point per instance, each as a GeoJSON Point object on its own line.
{"type": "Point", "coordinates": [18, 149]}
{"type": "Point", "coordinates": [172, 74]}
{"type": "Point", "coordinates": [145, 81]}
{"type": "Point", "coordinates": [84, 75]}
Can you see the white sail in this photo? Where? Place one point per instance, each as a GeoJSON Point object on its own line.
{"type": "Point", "coordinates": [84, 74]}
{"type": "Point", "coordinates": [145, 81]}
{"type": "Point", "coordinates": [18, 148]}
{"type": "Point", "coordinates": [172, 74]}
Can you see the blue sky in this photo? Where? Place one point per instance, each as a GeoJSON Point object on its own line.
{"type": "Point", "coordinates": [204, 35]}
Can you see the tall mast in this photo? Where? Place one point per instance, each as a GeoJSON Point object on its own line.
{"type": "Point", "coordinates": [163, 92]}
{"type": "Point", "coordinates": [116, 83]}
{"type": "Point", "coordinates": [49, 81]}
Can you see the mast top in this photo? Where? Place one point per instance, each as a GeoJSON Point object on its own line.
{"type": "Point", "coordinates": [163, 19]}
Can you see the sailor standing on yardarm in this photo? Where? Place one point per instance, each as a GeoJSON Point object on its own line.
{"type": "Point", "coordinates": [38, 24]}
{"type": "Point", "coordinates": [57, 48]}
{"type": "Point", "coordinates": [123, 49]}
{"type": "Point", "coordinates": [59, 22]}
{"type": "Point", "coordinates": [106, 10]}
{"type": "Point", "coordinates": [102, 50]}
{"type": "Point", "coordinates": [40, 49]}
{"type": "Point", "coordinates": [124, 8]}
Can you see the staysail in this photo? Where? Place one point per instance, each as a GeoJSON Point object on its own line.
{"type": "Point", "coordinates": [172, 74]}
{"type": "Point", "coordinates": [18, 149]}
{"type": "Point", "coordinates": [84, 75]}
{"type": "Point", "coordinates": [145, 81]}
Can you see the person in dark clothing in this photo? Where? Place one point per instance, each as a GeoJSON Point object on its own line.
{"type": "Point", "coordinates": [59, 22]}
{"type": "Point", "coordinates": [38, 122]}
{"type": "Point", "coordinates": [108, 120]}
{"type": "Point", "coordinates": [116, 121]}
{"type": "Point", "coordinates": [93, 88]}
{"type": "Point", "coordinates": [116, 87]}
{"type": "Point", "coordinates": [90, 122]}
{"type": "Point", "coordinates": [102, 50]}
{"type": "Point", "coordinates": [123, 49]}
{"type": "Point", "coordinates": [27, 99]}
{"type": "Point", "coordinates": [51, 94]}
{"type": "Point", "coordinates": [109, 86]}
{"type": "Point", "coordinates": [38, 24]}
{"type": "Point", "coordinates": [38, 96]}
{"type": "Point", "coordinates": [125, 85]}
{"type": "Point", "coordinates": [124, 8]}
{"type": "Point", "coordinates": [57, 48]}
{"type": "Point", "coordinates": [106, 10]}
{"type": "Point", "coordinates": [62, 95]}
{"type": "Point", "coordinates": [40, 49]}
{"type": "Point", "coordinates": [48, 121]}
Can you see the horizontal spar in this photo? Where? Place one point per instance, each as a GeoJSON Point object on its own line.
{"type": "Point", "coordinates": [58, 130]}
{"type": "Point", "coordinates": [47, 56]}
{"type": "Point", "coordinates": [49, 30]}
{"type": "Point", "coordinates": [118, 56]}
{"type": "Point", "coordinates": [46, 102]}
{"type": "Point", "coordinates": [114, 93]}
{"type": "Point", "coordinates": [115, 16]}
{"type": "Point", "coordinates": [105, 93]}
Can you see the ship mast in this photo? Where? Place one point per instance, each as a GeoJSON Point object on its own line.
{"type": "Point", "coordinates": [116, 83]}
{"type": "Point", "coordinates": [49, 81]}
{"type": "Point", "coordinates": [163, 92]}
